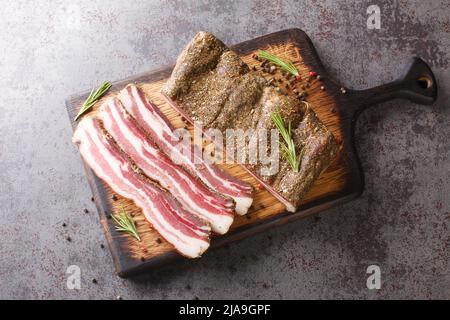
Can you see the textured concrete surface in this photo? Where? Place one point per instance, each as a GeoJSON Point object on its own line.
{"type": "Point", "coordinates": [400, 223]}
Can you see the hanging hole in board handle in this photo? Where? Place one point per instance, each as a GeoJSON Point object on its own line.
{"type": "Point", "coordinates": [424, 82]}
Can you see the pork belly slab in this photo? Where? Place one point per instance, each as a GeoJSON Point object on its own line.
{"type": "Point", "coordinates": [157, 126]}
{"type": "Point", "coordinates": [190, 192]}
{"type": "Point", "coordinates": [186, 232]}
{"type": "Point", "coordinates": [211, 84]}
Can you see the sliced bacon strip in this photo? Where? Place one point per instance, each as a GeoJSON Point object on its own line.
{"type": "Point", "coordinates": [186, 232]}
{"type": "Point", "coordinates": [156, 124]}
{"type": "Point", "coordinates": [156, 165]}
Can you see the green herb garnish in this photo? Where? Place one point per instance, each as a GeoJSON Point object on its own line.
{"type": "Point", "coordinates": [286, 66]}
{"type": "Point", "coordinates": [93, 98]}
{"type": "Point", "coordinates": [125, 223]}
{"type": "Point", "coordinates": [288, 146]}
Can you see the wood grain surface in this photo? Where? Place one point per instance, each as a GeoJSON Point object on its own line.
{"type": "Point", "coordinates": [341, 182]}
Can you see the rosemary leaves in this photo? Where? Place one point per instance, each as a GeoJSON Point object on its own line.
{"type": "Point", "coordinates": [285, 65]}
{"type": "Point", "coordinates": [125, 223]}
{"type": "Point", "coordinates": [93, 98]}
{"type": "Point", "coordinates": [288, 145]}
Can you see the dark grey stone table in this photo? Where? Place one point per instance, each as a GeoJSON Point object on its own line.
{"type": "Point", "coordinates": [50, 49]}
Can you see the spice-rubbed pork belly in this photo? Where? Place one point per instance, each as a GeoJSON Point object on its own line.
{"type": "Point", "coordinates": [190, 192]}
{"type": "Point", "coordinates": [185, 231]}
{"type": "Point", "coordinates": [211, 84]}
{"type": "Point", "coordinates": [157, 126]}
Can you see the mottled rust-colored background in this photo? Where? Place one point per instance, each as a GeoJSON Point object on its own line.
{"type": "Point", "coordinates": [400, 223]}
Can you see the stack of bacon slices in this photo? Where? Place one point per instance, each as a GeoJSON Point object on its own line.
{"type": "Point", "coordinates": [131, 145]}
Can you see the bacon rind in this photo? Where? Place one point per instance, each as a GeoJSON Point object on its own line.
{"type": "Point", "coordinates": [156, 124]}
{"type": "Point", "coordinates": [191, 193]}
{"type": "Point", "coordinates": [186, 232]}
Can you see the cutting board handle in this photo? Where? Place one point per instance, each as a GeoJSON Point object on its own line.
{"type": "Point", "coordinates": [417, 84]}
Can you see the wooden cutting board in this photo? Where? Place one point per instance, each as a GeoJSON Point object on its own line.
{"type": "Point", "coordinates": [341, 182]}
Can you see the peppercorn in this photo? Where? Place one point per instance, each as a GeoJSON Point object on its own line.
{"type": "Point", "coordinates": [69, 239]}
{"type": "Point", "coordinates": [86, 211]}
{"type": "Point", "coordinates": [64, 225]}
{"type": "Point", "coordinates": [254, 68]}
{"type": "Point", "coordinates": [94, 281]}
{"type": "Point", "coordinates": [102, 246]}
{"type": "Point", "coordinates": [312, 74]}
{"type": "Point", "coordinates": [92, 199]}
{"type": "Point", "coordinates": [114, 197]}
{"type": "Point", "coordinates": [142, 259]}
{"type": "Point", "coordinates": [158, 241]}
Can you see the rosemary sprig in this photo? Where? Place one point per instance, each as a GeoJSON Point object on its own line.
{"type": "Point", "coordinates": [125, 223]}
{"type": "Point", "coordinates": [285, 65]}
{"type": "Point", "coordinates": [288, 146]}
{"type": "Point", "coordinates": [93, 98]}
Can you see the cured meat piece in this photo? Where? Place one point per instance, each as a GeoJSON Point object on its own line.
{"type": "Point", "coordinates": [186, 232]}
{"type": "Point", "coordinates": [158, 127]}
{"type": "Point", "coordinates": [211, 84]}
{"type": "Point", "coordinates": [191, 193]}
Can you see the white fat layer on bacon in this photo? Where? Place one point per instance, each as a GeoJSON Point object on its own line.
{"type": "Point", "coordinates": [242, 205]}
{"type": "Point", "coordinates": [220, 223]}
{"type": "Point", "coordinates": [188, 246]}
{"type": "Point", "coordinates": [157, 124]}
